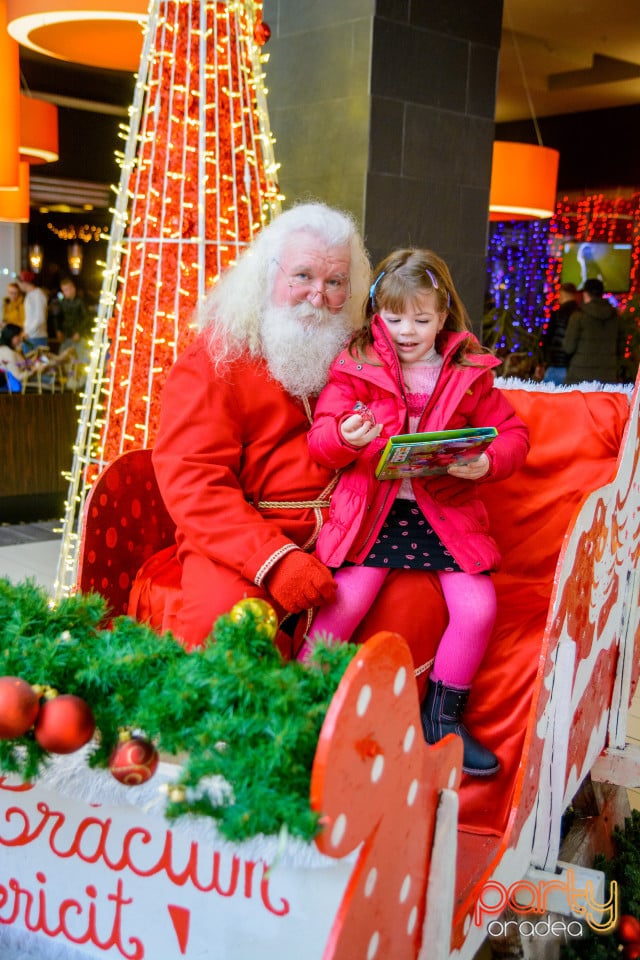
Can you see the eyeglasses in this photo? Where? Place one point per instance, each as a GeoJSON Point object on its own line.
{"type": "Point", "coordinates": [335, 291]}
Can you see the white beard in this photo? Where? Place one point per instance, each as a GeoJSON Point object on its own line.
{"type": "Point", "coordinates": [299, 343]}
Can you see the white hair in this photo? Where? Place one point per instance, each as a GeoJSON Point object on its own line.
{"type": "Point", "coordinates": [234, 308]}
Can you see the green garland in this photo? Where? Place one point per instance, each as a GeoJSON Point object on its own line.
{"type": "Point", "coordinates": [624, 867]}
{"type": "Point", "coordinates": [233, 709]}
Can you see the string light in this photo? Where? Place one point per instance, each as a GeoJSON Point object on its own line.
{"type": "Point", "coordinates": [198, 180]}
{"type": "Point", "coordinates": [524, 260]}
{"type": "Point", "coordinates": [86, 232]}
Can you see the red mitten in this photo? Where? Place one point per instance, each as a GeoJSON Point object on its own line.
{"type": "Point", "coordinates": [299, 581]}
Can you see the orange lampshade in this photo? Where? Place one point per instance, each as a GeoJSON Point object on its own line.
{"type": "Point", "coordinates": [524, 178]}
{"type": "Point", "coordinates": [99, 33]}
{"type": "Point", "coordinates": [14, 204]}
{"type": "Point", "coordinates": [38, 130]}
{"type": "Point", "coordinates": [9, 104]}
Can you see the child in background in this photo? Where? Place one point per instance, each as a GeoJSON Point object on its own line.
{"type": "Point", "coordinates": [415, 366]}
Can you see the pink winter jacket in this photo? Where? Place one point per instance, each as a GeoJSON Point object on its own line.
{"type": "Point", "coordinates": [464, 396]}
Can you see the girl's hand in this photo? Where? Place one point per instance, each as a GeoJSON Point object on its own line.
{"type": "Point", "coordinates": [359, 431]}
{"type": "Point", "coordinates": [472, 470]}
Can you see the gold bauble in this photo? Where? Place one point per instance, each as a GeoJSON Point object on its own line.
{"type": "Point", "coordinates": [261, 612]}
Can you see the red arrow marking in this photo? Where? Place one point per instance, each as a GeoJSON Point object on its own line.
{"type": "Point", "coordinates": [180, 918]}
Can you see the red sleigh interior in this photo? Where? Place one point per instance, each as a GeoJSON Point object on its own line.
{"type": "Point", "coordinates": [127, 555]}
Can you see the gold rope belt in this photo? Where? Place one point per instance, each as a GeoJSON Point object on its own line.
{"type": "Point", "coordinates": [292, 504]}
{"type": "Point", "coordinates": [321, 503]}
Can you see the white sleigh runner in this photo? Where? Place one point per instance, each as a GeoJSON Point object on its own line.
{"type": "Point", "coordinates": [89, 868]}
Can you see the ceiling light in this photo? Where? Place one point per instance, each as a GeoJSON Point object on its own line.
{"type": "Point", "coordinates": [98, 33]}
{"type": "Point", "coordinates": [524, 176]}
{"type": "Point", "coordinates": [38, 130]}
{"type": "Point", "coordinates": [524, 179]}
{"type": "Point", "coordinates": [14, 204]}
{"type": "Point", "coordinates": [9, 106]}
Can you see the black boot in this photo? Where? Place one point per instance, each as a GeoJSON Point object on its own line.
{"type": "Point", "coordinates": [441, 713]}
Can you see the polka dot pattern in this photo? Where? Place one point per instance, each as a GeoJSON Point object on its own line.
{"type": "Point", "coordinates": [125, 497]}
{"type": "Point", "coordinates": [407, 541]}
{"type": "Point", "coordinates": [376, 784]}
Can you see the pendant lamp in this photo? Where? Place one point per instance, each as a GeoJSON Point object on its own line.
{"type": "Point", "coordinates": [524, 178]}
{"type": "Point", "coordinates": [74, 258]}
{"type": "Point", "coordinates": [36, 256]}
{"type": "Point", "coordinates": [9, 104]}
{"type": "Point", "coordinates": [38, 130]}
{"type": "Point", "coordinates": [98, 33]}
{"type": "Point", "coordinates": [14, 204]}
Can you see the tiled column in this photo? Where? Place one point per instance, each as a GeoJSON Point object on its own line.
{"type": "Point", "coordinates": [386, 108]}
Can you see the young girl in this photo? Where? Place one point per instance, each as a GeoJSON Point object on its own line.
{"type": "Point", "coordinates": [415, 366]}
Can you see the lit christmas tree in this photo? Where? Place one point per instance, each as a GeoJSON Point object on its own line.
{"type": "Point", "coordinates": [198, 181]}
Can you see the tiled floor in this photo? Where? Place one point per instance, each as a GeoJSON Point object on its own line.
{"type": "Point", "coordinates": [30, 551]}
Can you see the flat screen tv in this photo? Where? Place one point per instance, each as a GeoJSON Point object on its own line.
{"type": "Point", "coordinates": [609, 262]}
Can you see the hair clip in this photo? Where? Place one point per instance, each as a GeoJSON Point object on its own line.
{"type": "Point", "coordinates": [436, 285]}
{"type": "Point", "coordinates": [372, 288]}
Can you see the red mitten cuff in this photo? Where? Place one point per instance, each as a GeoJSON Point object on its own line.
{"type": "Point", "coordinates": [299, 581]}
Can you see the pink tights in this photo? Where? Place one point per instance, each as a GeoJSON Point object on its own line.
{"type": "Point", "coordinates": [470, 599]}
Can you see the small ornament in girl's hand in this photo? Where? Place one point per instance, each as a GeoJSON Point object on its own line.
{"type": "Point", "coordinates": [365, 413]}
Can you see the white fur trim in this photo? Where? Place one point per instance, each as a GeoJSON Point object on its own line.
{"type": "Point", "coordinates": [538, 386]}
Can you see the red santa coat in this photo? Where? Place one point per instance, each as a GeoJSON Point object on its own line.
{"type": "Point", "coordinates": [234, 469]}
{"type": "Point", "coordinates": [464, 397]}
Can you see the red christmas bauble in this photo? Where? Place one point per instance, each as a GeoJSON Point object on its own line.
{"type": "Point", "coordinates": [64, 724]}
{"type": "Point", "coordinates": [261, 33]}
{"type": "Point", "coordinates": [133, 761]}
{"type": "Point", "coordinates": [629, 933]}
{"type": "Point", "coordinates": [19, 705]}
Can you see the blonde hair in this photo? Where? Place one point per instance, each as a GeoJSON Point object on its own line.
{"type": "Point", "coordinates": [233, 309]}
{"type": "Point", "coordinates": [406, 274]}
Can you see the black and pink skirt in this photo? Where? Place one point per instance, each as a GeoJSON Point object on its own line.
{"type": "Point", "coordinates": [406, 541]}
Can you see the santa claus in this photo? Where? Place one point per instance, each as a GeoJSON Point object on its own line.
{"type": "Point", "coordinates": [231, 454]}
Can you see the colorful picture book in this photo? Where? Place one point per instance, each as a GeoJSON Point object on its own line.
{"type": "Point", "coordinates": [428, 454]}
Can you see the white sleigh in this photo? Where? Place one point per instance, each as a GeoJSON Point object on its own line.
{"type": "Point", "coordinates": [91, 869]}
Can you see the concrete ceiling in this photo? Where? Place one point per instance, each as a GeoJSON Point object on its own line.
{"type": "Point", "coordinates": [567, 57]}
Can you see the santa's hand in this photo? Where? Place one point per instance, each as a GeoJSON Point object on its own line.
{"type": "Point", "coordinates": [299, 581]}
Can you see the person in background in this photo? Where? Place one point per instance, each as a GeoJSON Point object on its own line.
{"type": "Point", "coordinates": [231, 455]}
{"type": "Point", "coordinates": [595, 338]}
{"type": "Point", "coordinates": [414, 367]}
{"type": "Point", "coordinates": [35, 311]}
{"type": "Point", "coordinates": [13, 306]}
{"type": "Point", "coordinates": [12, 360]}
{"type": "Point", "coordinates": [73, 320]}
{"type": "Point", "coordinates": [554, 358]}
{"type": "Point", "coordinates": [73, 323]}
{"type": "Point", "coordinates": [20, 367]}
